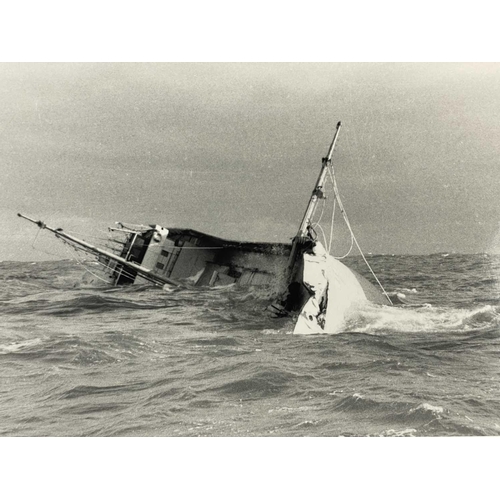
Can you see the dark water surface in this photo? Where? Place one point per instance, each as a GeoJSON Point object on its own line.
{"type": "Point", "coordinates": [80, 359]}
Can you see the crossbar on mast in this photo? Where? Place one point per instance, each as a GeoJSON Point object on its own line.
{"type": "Point", "coordinates": [318, 188]}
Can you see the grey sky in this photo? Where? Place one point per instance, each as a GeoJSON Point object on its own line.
{"type": "Point", "coordinates": [234, 149]}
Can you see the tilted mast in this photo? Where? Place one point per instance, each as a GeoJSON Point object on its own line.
{"type": "Point", "coordinates": [304, 234]}
{"type": "Point", "coordinates": [318, 188]}
{"type": "Point", "coordinates": [93, 250]}
{"type": "Point", "coordinates": [294, 296]}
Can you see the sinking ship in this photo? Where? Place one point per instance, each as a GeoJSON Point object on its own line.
{"type": "Point", "coordinates": [307, 282]}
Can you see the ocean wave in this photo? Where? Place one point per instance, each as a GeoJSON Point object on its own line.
{"type": "Point", "coordinates": [139, 360]}
{"type": "Point", "coordinates": [263, 384]}
{"type": "Point", "coordinates": [19, 346]}
{"type": "Point", "coordinates": [383, 319]}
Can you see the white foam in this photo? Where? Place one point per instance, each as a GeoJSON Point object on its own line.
{"type": "Point", "coordinates": [370, 318]}
{"type": "Point", "coordinates": [428, 407]}
{"type": "Point", "coordinates": [17, 346]}
{"type": "Point", "coordinates": [401, 433]}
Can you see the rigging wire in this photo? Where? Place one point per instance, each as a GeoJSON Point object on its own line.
{"type": "Point", "coordinates": [123, 272]}
{"type": "Point", "coordinates": [331, 176]}
{"type": "Point", "coordinates": [74, 257]}
{"type": "Point", "coordinates": [331, 225]}
{"type": "Point", "coordinates": [90, 237]}
{"type": "Point", "coordinates": [337, 195]}
{"type": "Point", "coordinates": [353, 237]}
{"type": "Point", "coordinates": [323, 205]}
{"type": "Point", "coordinates": [39, 249]}
{"type": "Point", "coordinates": [34, 240]}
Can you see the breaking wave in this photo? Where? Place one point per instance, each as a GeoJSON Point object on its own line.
{"type": "Point", "coordinates": [426, 318]}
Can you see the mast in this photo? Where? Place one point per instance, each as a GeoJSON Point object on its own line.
{"type": "Point", "coordinates": [303, 239]}
{"type": "Point", "coordinates": [93, 250]}
{"type": "Point", "coordinates": [318, 188]}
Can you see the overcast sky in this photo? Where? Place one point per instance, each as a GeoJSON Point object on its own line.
{"type": "Point", "coordinates": [234, 150]}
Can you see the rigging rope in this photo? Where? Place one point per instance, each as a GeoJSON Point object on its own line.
{"type": "Point", "coordinates": [331, 225]}
{"type": "Point", "coordinates": [317, 225]}
{"type": "Point", "coordinates": [333, 216]}
{"type": "Point", "coordinates": [353, 237]}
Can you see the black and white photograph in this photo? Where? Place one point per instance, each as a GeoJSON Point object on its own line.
{"type": "Point", "coordinates": [203, 250]}
{"type": "Point", "coordinates": [249, 249]}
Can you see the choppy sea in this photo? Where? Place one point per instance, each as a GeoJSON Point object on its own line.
{"type": "Point", "coordinates": [79, 358]}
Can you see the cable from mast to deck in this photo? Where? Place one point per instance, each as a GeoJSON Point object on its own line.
{"type": "Point", "coordinates": [319, 193]}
